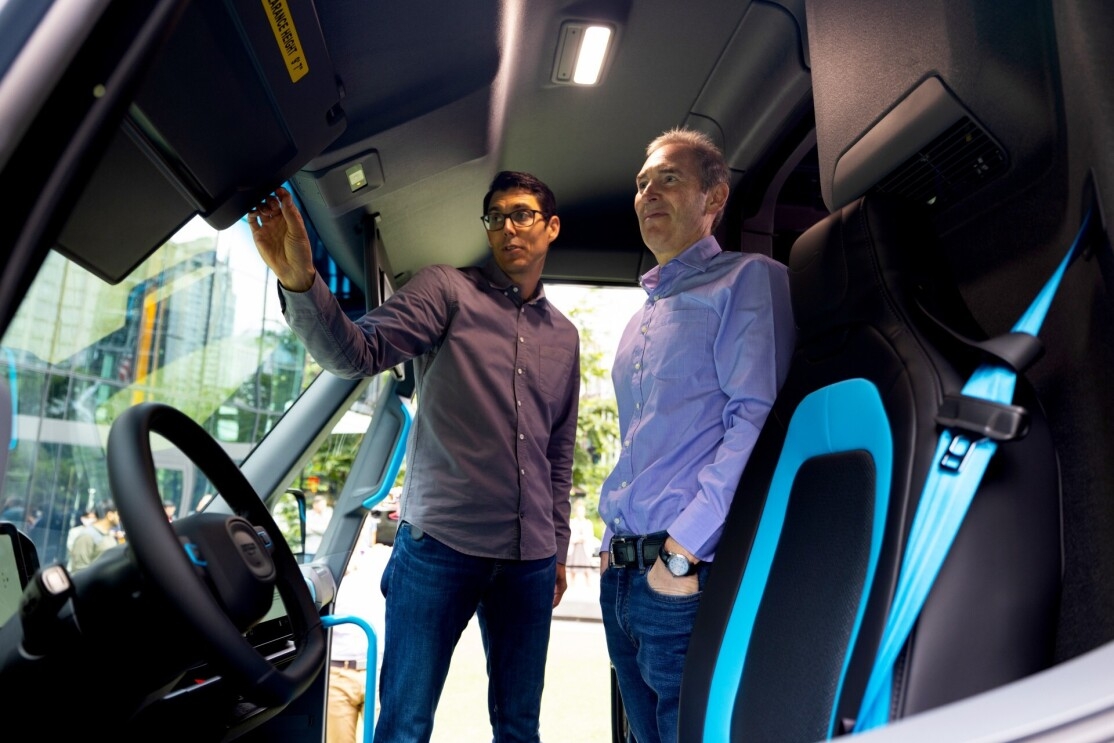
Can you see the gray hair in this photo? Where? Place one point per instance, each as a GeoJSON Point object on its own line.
{"type": "Point", "coordinates": [713, 166]}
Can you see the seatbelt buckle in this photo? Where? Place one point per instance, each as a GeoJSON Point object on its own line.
{"type": "Point", "coordinates": [957, 452]}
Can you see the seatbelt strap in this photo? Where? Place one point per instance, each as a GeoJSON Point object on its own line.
{"type": "Point", "coordinates": [949, 489]}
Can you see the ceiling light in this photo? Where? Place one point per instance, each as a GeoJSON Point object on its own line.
{"type": "Point", "coordinates": [356, 177]}
{"type": "Point", "coordinates": [581, 53]}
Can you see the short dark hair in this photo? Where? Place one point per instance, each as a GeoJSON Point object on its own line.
{"type": "Point", "coordinates": [512, 180]}
{"type": "Point", "coordinates": [103, 508]}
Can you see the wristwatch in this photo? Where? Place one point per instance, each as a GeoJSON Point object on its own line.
{"type": "Point", "coordinates": [679, 565]}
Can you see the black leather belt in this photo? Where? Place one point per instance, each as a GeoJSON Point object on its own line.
{"type": "Point", "coordinates": [637, 551]}
{"type": "Point", "coordinates": [353, 665]}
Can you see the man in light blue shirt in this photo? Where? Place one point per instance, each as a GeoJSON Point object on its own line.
{"type": "Point", "coordinates": [695, 375]}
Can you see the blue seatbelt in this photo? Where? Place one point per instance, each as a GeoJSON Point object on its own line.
{"type": "Point", "coordinates": [949, 489]}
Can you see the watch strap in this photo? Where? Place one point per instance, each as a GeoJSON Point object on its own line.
{"type": "Point", "coordinates": [667, 557]}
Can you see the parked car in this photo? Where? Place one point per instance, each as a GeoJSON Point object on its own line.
{"type": "Point", "coordinates": [921, 168]}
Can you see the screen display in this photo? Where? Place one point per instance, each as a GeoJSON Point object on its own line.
{"type": "Point", "coordinates": [11, 588]}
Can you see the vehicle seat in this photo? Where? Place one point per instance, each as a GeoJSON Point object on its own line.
{"type": "Point", "coordinates": [807, 565]}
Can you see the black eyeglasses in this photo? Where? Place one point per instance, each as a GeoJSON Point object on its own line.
{"type": "Point", "coordinates": [494, 221]}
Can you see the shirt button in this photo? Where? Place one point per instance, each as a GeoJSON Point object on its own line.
{"type": "Point", "coordinates": [623, 484]}
{"type": "Point", "coordinates": [617, 521]}
{"type": "Point", "coordinates": [637, 365]}
{"type": "Point", "coordinates": [638, 406]}
{"type": "Point", "coordinates": [518, 403]}
{"type": "Point", "coordinates": [644, 330]}
{"type": "Point", "coordinates": [521, 436]}
{"type": "Point", "coordinates": [521, 339]}
{"type": "Point", "coordinates": [519, 371]}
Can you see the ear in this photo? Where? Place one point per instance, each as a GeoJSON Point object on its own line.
{"type": "Point", "coordinates": [716, 198]}
{"type": "Point", "coordinates": [553, 227]}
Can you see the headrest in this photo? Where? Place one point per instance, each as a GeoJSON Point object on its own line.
{"type": "Point", "coordinates": [861, 264]}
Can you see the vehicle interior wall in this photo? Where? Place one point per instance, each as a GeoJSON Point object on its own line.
{"type": "Point", "coordinates": [1076, 384]}
{"type": "Point", "coordinates": [1013, 69]}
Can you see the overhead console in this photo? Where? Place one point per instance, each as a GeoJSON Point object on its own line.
{"type": "Point", "coordinates": [259, 69]}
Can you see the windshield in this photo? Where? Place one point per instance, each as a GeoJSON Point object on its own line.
{"type": "Point", "coordinates": [196, 326]}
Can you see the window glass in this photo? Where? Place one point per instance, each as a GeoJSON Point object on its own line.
{"type": "Point", "coordinates": [196, 326]}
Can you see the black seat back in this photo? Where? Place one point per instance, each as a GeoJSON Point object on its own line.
{"type": "Point", "coordinates": [809, 559]}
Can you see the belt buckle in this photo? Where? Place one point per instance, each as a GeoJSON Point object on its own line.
{"type": "Point", "coordinates": [624, 551]}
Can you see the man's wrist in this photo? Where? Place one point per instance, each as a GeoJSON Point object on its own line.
{"type": "Point", "coordinates": [672, 545]}
{"type": "Point", "coordinates": [297, 284]}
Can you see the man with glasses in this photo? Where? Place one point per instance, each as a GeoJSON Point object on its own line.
{"type": "Point", "coordinates": [484, 526]}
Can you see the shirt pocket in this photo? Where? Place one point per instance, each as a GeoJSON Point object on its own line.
{"type": "Point", "coordinates": [677, 344]}
{"type": "Point", "coordinates": [556, 365]}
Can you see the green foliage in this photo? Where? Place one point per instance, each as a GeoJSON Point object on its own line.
{"type": "Point", "coordinates": [598, 421]}
{"type": "Point", "coordinates": [288, 519]}
{"type": "Point", "coordinates": [333, 461]}
{"type": "Point", "coordinates": [596, 451]}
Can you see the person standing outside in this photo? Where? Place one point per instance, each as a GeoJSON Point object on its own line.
{"type": "Point", "coordinates": [583, 544]}
{"type": "Point", "coordinates": [484, 527]}
{"type": "Point", "coordinates": [317, 521]}
{"type": "Point", "coordinates": [86, 518]}
{"type": "Point", "coordinates": [349, 663]}
{"type": "Point", "coordinates": [695, 375]}
{"type": "Point", "coordinates": [97, 537]}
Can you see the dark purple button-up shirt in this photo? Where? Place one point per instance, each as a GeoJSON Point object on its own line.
{"type": "Point", "coordinates": [489, 460]}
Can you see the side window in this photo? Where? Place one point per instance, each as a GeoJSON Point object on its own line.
{"type": "Point", "coordinates": [313, 499]}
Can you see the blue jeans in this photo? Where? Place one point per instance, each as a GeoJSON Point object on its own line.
{"type": "Point", "coordinates": [431, 593]}
{"type": "Point", "coordinates": [647, 638]}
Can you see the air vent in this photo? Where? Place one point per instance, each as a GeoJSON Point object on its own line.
{"type": "Point", "coordinates": [952, 166]}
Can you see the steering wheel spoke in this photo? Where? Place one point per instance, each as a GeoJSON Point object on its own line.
{"type": "Point", "coordinates": [218, 571]}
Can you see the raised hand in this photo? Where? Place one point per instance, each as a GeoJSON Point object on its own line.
{"type": "Point", "coordinates": [282, 241]}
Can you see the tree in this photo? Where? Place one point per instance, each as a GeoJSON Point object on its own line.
{"type": "Point", "coordinates": [597, 425]}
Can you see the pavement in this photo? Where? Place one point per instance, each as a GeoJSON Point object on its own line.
{"type": "Point", "coordinates": [576, 703]}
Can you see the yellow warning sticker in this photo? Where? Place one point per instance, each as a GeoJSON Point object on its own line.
{"type": "Point", "coordinates": [278, 12]}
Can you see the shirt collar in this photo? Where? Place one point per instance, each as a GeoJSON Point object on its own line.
{"type": "Point", "coordinates": [499, 281]}
{"type": "Point", "coordinates": [696, 257]}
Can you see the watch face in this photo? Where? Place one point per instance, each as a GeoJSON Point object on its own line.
{"type": "Point", "coordinates": [678, 565]}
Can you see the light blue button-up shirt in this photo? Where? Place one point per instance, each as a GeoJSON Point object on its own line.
{"type": "Point", "coordinates": [695, 375]}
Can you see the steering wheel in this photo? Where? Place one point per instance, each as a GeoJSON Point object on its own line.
{"type": "Point", "coordinates": [220, 572]}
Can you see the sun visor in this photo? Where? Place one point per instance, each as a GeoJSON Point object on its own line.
{"type": "Point", "coordinates": [241, 96]}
